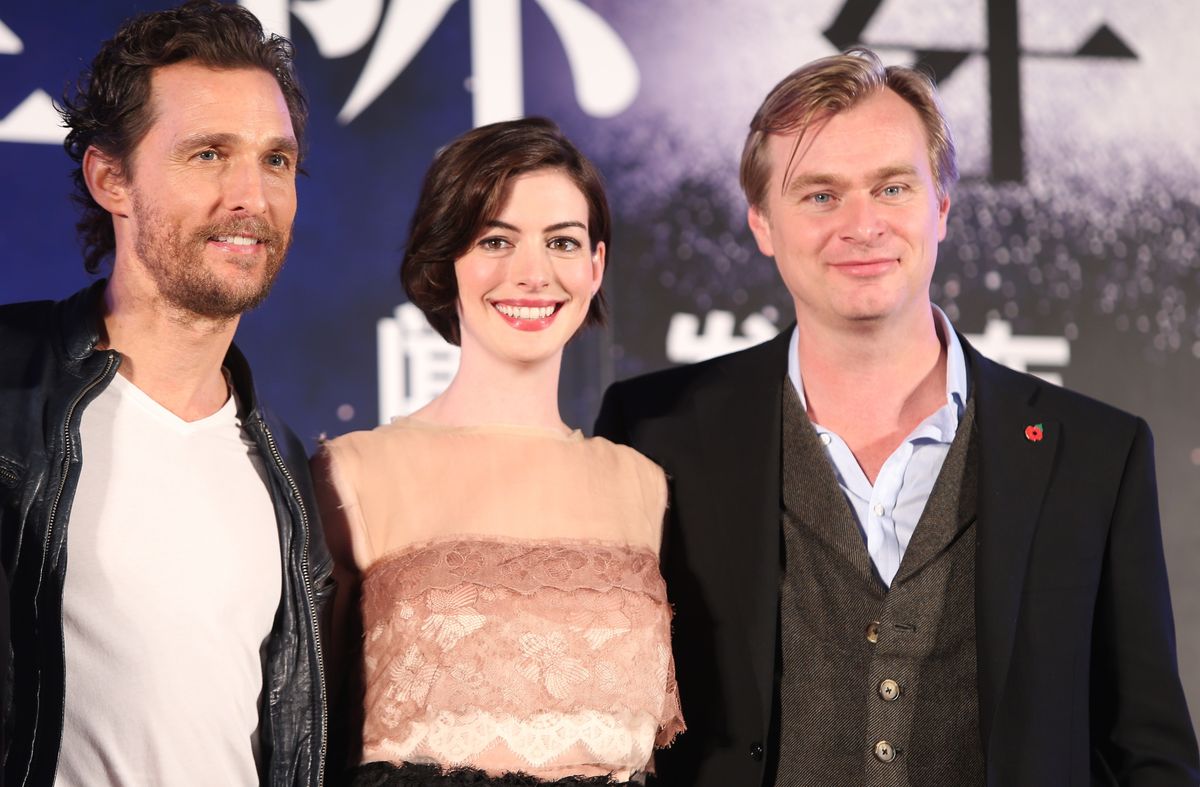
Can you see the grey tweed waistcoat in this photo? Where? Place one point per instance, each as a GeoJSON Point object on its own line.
{"type": "Point", "coordinates": [877, 685]}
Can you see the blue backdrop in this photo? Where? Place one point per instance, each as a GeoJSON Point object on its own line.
{"type": "Point", "coordinates": [1072, 249]}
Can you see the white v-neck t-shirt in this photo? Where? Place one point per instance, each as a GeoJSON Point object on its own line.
{"type": "Point", "coordinates": [172, 583]}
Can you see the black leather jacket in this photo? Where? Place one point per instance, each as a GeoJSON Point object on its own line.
{"type": "Point", "coordinates": [50, 371]}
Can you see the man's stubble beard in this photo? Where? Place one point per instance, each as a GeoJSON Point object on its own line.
{"type": "Point", "coordinates": [176, 263]}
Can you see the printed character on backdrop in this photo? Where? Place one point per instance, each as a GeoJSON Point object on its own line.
{"type": "Point", "coordinates": [503, 568]}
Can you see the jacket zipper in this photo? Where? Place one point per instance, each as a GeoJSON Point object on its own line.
{"type": "Point", "coordinates": [68, 450]}
{"type": "Point", "coordinates": [308, 593]}
{"type": "Point", "coordinates": [8, 476]}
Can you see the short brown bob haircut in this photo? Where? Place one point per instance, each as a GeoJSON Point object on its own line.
{"type": "Point", "coordinates": [466, 187]}
{"type": "Point", "coordinates": [110, 106]}
{"type": "Point", "coordinates": [835, 84]}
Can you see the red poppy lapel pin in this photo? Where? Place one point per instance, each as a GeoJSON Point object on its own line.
{"type": "Point", "coordinates": [1034, 433]}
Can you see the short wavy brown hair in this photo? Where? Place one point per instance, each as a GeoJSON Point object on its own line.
{"type": "Point", "coordinates": [466, 188]}
{"type": "Point", "coordinates": [835, 84]}
{"type": "Point", "coordinates": [110, 106]}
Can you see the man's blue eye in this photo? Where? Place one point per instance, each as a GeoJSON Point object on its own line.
{"type": "Point", "coordinates": [207, 155]}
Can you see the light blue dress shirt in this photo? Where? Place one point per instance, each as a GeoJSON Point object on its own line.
{"type": "Point", "coordinates": [888, 512]}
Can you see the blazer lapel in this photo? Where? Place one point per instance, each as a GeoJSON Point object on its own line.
{"type": "Point", "coordinates": [739, 422]}
{"type": "Point", "coordinates": [1017, 449]}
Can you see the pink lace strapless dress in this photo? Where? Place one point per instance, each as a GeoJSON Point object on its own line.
{"type": "Point", "coordinates": [514, 618]}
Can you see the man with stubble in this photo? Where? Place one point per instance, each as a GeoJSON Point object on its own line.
{"type": "Point", "coordinates": [166, 571]}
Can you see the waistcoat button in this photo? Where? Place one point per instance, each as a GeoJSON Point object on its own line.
{"type": "Point", "coordinates": [884, 751]}
{"type": "Point", "coordinates": [873, 632]}
{"type": "Point", "coordinates": [889, 690]}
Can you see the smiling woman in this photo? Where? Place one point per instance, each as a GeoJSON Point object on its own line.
{"type": "Point", "coordinates": [525, 274]}
{"type": "Point", "coordinates": [515, 624]}
{"type": "Point", "coordinates": [463, 195]}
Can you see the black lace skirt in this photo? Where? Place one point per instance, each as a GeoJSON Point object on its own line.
{"type": "Point", "coordinates": [385, 774]}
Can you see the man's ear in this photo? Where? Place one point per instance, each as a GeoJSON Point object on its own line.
{"type": "Point", "coordinates": [760, 225]}
{"type": "Point", "coordinates": [106, 181]}
{"type": "Point", "coordinates": [943, 213]}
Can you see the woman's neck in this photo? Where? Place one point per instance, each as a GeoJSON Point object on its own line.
{"type": "Point", "coordinates": [487, 390]}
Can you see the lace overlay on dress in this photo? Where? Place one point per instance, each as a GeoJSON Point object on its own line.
{"type": "Point", "coordinates": [549, 657]}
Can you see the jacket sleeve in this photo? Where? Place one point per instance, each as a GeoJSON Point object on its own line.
{"type": "Point", "coordinates": [1141, 726]}
{"type": "Point", "coordinates": [339, 516]}
{"type": "Point", "coordinates": [610, 423]}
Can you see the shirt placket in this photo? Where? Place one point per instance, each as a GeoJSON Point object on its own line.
{"type": "Point", "coordinates": [881, 507]}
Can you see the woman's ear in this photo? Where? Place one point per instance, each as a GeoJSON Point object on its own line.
{"type": "Point", "coordinates": [598, 267]}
